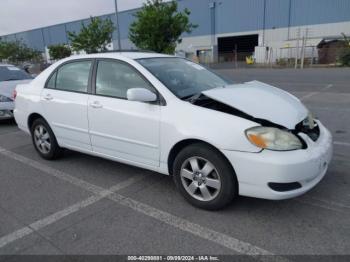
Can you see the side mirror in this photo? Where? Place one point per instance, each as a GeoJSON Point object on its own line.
{"type": "Point", "coordinates": [141, 95]}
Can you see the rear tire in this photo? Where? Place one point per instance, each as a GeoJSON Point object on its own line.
{"type": "Point", "coordinates": [44, 140]}
{"type": "Point", "coordinates": [204, 177]}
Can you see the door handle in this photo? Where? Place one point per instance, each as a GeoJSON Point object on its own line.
{"type": "Point", "coordinates": [96, 105]}
{"type": "Point", "coordinates": [48, 97]}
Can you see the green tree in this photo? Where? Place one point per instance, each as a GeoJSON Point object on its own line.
{"type": "Point", "coordinates": [93, 38]}
{"type": "Point", "coordinates": [17, 52]}
{"type": "Point", "coordinates": [59, 51]}
{"type": "Point", "coordinates": [7, 49]}
{"type": "Point", "coordinates": [159, 26]}
{"type": "Point", "coordinates": [344, 56]}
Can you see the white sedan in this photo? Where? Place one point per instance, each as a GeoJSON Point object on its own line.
{"type": "Point", "coordinates": [10, 77]}
{"type": "Point", "coordinates": [170, 115]}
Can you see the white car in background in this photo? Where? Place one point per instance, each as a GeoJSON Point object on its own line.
{"type": "Point", "coordinates": [173, 116]}
{"type": "Point", "coordinates": [10, 77]}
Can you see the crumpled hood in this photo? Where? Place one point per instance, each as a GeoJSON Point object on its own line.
{"type": "Point", "coordinates": [7, 87]}
{"type": "Point", "coordinates": [263, 101]}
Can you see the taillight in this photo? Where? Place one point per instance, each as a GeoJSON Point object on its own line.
{"type": "Point", "coordinates": [14, 94]}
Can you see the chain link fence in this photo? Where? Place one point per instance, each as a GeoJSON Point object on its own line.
{"type": "Point", "coordinates": [285, 57]}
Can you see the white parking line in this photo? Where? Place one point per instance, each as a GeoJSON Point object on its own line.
{"type": "Point", "coordinates": [330, 205]}
{"type": "Point", "coordinates": [309, 95]}
{"type": "Point", "coordinates": [53, 172]}
{"type": "Point", "coordinates": [169, 219]}
{"type": "Point", "coordinates": [343, 110]}
{"type": "Point", "coordinates": [341, 143]}
{"type": "Point", "coordinates": [321, 205]}
{"type": "Point", "coordinates": [328, 87]}
{"type": "Point", "coordinates": [11, 132]}
{"type": "Point", "coordinates": [315, 93]}
{"type": "Point", "coordinates": [18, 234]}
{"type": "Point", "coordinates": [195, 229]}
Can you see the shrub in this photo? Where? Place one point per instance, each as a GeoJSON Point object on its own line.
{"type": "Point", "coordinates": [18, 52]}
{"type": "Point", "coordinates": [59, 51]}
{"type": "Point", "coordinates": [93, 38]}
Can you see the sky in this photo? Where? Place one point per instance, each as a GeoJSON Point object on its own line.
{"type": "Point", "coordinates": [22, 15]}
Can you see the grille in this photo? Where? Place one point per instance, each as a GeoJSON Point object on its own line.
{"type": "Point", "coordinates": [304, 127]}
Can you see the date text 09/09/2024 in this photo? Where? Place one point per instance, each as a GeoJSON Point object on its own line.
{"type": "Point", "coordinates": [173, 258]}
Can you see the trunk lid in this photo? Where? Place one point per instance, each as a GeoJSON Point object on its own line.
{"type": "Point", "coordinates": [7, 87]}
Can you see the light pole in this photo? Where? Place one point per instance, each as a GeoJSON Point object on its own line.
{"type": "Point", "coordinates": [117, 23]}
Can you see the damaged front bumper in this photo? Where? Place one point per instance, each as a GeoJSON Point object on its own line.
{"type": "Point", "coordinates": [280, 175]}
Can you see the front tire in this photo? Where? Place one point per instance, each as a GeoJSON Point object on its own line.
{"type": "Point", "coordinates": [44, 140]}
{"type": "Point", "coordinates": [204, 177]}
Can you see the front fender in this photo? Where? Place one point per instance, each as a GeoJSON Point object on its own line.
{"type": "Point", "coordinates": [181, 121]}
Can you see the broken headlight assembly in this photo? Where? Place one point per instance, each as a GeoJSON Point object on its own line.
{"type": "Point", "coordinates": [273, 139]}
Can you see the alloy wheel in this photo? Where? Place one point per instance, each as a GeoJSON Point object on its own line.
{"type": "Point", "coordinates": [42, 139]}
{"type": "Point", "coordinates": [200, 178]}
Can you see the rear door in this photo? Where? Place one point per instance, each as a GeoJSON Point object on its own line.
{"type": "Point", "coordinates": [65, 99]}
{"type": "Point", "coordinates": [123, 129]}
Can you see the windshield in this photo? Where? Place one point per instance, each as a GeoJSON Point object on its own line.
{"type": "Point", "coordinates": [11, 73]}
{"type": "Point", "coordinates": [183, 77]}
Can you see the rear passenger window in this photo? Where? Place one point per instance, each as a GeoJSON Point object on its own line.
{"type": "Point", "coordinates": [74, 76]}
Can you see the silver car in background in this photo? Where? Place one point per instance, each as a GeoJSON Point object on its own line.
{"type": "Point", "coordinates": [10, 77]}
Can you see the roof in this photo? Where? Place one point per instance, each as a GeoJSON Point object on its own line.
{"type": "Point", "coordinates": [139, 55]}
{"type": "Point", "coordinates": [5, 64]}
{"type": "Point", "coordinates": [130, 55]}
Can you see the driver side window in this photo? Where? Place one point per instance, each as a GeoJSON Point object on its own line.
{"type": "Point", "coordinates": [115, 78]}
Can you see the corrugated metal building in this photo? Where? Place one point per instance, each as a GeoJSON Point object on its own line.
{"type": "Point", "coordinates": [228, 25]}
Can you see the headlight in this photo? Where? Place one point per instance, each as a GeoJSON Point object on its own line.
{"type": "Point", "coordinates": [5, 99]}
{"type": "Point", "coordinates": [273, 139]}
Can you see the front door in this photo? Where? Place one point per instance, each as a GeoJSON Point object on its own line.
{"type": "Point", "coordinates": [123, 129]}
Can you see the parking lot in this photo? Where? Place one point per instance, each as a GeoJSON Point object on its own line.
{"type": "Point", "coordinates": [85, 205]}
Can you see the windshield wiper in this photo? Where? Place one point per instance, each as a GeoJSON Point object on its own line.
{"type": "Point", "coordinates": [192, 98]}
